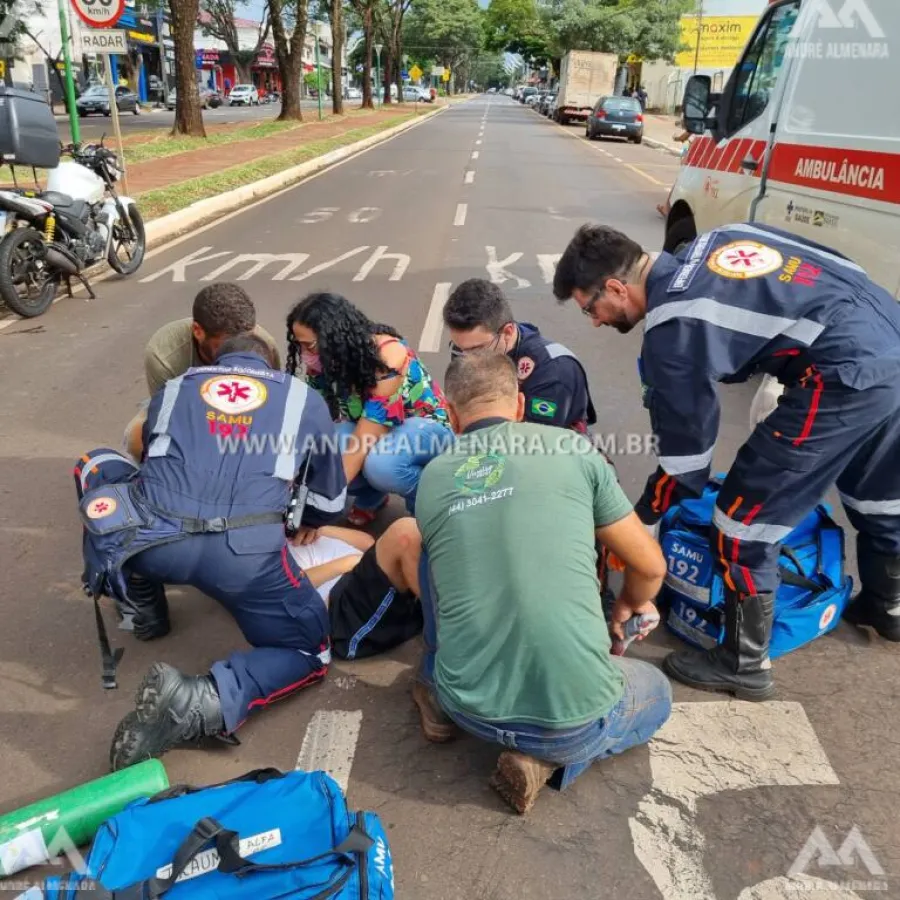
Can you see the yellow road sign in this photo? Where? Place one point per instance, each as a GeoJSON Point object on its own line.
{"type": "Point", "coordinates": [2, 68]}
{"type": "Point", "coordinates": [446, 75]}
{"type": "Point", "coordinates": [415, 73]}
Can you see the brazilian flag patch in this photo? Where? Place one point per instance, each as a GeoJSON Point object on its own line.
{"type": "Point", "coordinates": [544, 408]}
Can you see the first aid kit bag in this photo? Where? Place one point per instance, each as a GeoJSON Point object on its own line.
{"type": "Point", "coordinates": [813, 591]}
{"type": "Point", "coordinates": [264, 835]}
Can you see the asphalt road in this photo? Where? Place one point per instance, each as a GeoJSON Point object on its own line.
{"type": "Point", "coordinates": [93, 127]}
{"type": "Point", "coordinates": [718, 808]}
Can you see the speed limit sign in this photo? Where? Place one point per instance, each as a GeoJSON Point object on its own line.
{"type": "Point", "coordinates": [99, 13]}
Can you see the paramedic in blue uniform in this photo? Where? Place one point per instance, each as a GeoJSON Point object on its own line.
{"type": "Point", "coordinates": [742, 300]}
{"type": "Point", "coordinates": [206, 509]}
{"type": "Point", "coordinates": [552, 379]}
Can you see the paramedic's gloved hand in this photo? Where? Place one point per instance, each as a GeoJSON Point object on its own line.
{"type": "Point", "coordinates": [623, 609]}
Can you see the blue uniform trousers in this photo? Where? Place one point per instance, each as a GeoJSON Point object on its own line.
{"type": "Point", "coordinates": [820, 434]}
{"type": "Point", "coordinates": [282, 617]}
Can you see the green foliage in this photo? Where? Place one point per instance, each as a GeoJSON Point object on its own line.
{"type": "Point", "coordinates": [312, 80]}
{"type": "Point", "coordinates": [516, 26]}
{"type": "Point", "coordinates": [449, 31]}
{"type": "Point", "coordinates": [12, 27]}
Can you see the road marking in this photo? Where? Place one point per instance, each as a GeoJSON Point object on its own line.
{"type": "Point", "coordinates": [430, 341]}
{"type": "Point", "coordinates": [616, 158]}
{"type": "Point", "coordinates": [477, 143]}
{"type": "Point", "coordinates": [547, 262]}
{"type": "Point", "coordinates": [474, 154]}
{"type": "Point", "coordinates": [645, 175]}
{"type": "Point", "coordinates": [291, 261]}
{"type": "Point", "coordinates": [704, 749]}
{"type": "Point", "coordinates": [329, 744]}
{"type": "Point", "coordinates": [470, 177]}
{"type": "Point", "coordinates": [381, 253]}
{"type": "Point", "coordinates": [179, 266]}
{"type": "Point", "coordinates": [321, 267]}
{"type": "Point", "coordinates": [460, 217]}
{"type": "Point", "coordinates": [498, 271]}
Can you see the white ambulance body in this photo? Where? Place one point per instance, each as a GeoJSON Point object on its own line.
{"type": "Point", "coordinates": [805, 135]}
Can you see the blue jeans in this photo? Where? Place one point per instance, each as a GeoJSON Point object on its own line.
{"type": "Point", "coordinates": [394, 464]}
{"type": "Point", "coordinates": [642, 711]}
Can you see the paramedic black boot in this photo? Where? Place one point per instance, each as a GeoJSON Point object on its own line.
{"type": "Point", "coordinates": [878, 603]}
{"type": "Point", "coordinates": [741, 665]}
{"type": "Point", "coordinates": [145, 612]}
{"type": "Point", "coordinates": [171, 709]}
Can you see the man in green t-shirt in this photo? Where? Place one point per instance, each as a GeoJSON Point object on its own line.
{"type": "Point", "coordinates": [521, 647]}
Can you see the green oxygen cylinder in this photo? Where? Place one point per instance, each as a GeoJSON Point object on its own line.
{"type": "Point", "coordinates": [45, 830]}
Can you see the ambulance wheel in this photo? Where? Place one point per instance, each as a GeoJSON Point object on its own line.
{"type": "Point", "coordinates": [27, 285]}
{"type": "Point", "coordinates": [682, 233]}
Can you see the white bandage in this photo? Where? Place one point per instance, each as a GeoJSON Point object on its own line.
{"type": "Point", "coordinates": [766, 400]}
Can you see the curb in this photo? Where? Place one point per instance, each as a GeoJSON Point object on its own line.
{"type": "Point", "coordinates": [203, 212]}
{"type": "Point", "coordinates": [659, 145]}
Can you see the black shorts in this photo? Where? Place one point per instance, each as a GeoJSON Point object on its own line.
{"type": "Point", "coordinates": [368, 614]}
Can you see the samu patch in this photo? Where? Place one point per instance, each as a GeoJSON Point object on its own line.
{"type": "Point", "coordinates": [546, 409]}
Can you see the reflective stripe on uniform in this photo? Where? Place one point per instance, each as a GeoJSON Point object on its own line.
{"type": "Point", "coordinates": [286, 463]}
{"type": "Point", "coordinates": [759, 232]}
{"type": "Point", "coordinates": [872, 507]}
{"type": "Point", "coordinates": [682, 465]}
{"type": "Point", "coordinates": [159, 446]}
{"type": "Point", "coordinates": [744, 321]}
{"type": "Point", "coordinates": [93, 461]}
{"type": "Point", "coordinates": [323, 504]}
{"type": "Point", "coordinates": [555, 351]}
{"type": "Point", "coordinates": [762, 533]}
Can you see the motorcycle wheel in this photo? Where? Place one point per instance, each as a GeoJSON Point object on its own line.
{"type": "Point", "coordinates": [22, 266]}
{"type": "Point", "coordinates": [138, 243]}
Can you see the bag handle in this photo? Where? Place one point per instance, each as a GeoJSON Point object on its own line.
{"type": "Point", "coordinates": [232, 863]}
{"type": "Point", "coordinates": [259, 776]}
{"type": "Point", "coordinates": [798, 579]}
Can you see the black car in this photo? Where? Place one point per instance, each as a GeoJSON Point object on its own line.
{"type": "Point", "coordinates": [96, 100]}
{"type": "Point", "coordinates": [616, 117]}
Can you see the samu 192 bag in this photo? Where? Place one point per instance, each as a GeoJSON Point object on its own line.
{"type": "Point", "coordinates": [811, 597]}
{"type": "Point", "coordinates": [262, 836]}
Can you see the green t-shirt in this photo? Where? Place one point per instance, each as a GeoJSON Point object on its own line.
{"type": "Point", "coordinates": [507, 517]}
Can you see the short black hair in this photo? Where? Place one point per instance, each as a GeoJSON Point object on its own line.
{"type": "Point", "coordinates": [477, 302]}
{"type": "Point", "coordinates": [596, 254]}
{"type": "Point", "coordinates": [223, 308]}
{"type": "Point", "coordinates": [247, 343]}
{"type": "Point", "coordinates": [480, 377]}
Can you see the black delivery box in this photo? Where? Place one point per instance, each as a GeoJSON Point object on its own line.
{"type": "Point", "coordinates": [28, 135]}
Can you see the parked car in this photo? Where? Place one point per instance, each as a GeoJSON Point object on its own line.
{"type": "Point", "coordinates": [354, 93]}
{"type": "Point", "coordinates": [243, 95]}
{"type": "Point", "coordinates": [616, 117]}
{"type": "Point", "coordinates": [546, 101]}
{"type": "Point", "coordinates": [96, 100]}
{"type": "Point", "coordinates": [526, 93]}
{"type": "Point", "coordinates": [209, 99]}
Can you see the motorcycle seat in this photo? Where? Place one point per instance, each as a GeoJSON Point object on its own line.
{"type": "Point", "coordinates": [66, 206]}
{"type": "Point", "coordinates": [61, 200]}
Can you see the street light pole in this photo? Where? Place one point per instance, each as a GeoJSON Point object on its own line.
{"type": "Point", "coordinates": [378, 72]}
{"type": "Point", "coordinates": [699, 33]}
{"type": "Point", "coordinates": [70, 83]}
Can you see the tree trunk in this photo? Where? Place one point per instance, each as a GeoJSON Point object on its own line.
{"type": "Point", "coordinates": [367, 102]}
{"type": "Point", "coordinates": [188, 118]}
{"type": "Point", "coordinates": [386, 77]}
{"type": "Point", "coordinates": [398, 72]}
{"type": "Point", "coordinates": [243, 72]}
{"type": "Point", "coordinates": [337, 55]}
{"type": "Point", "coordinates": [289, 53]}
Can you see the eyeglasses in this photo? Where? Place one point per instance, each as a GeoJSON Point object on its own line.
{"type": "Point", "coordinates": [456, 352]}
{"type": "Point", "coordinates": [305, 345]}
{"type": "Point", "coordinates": [588, 308]}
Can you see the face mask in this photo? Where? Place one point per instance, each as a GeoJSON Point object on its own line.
{"type": "Point", "coordinates": [312, 365]}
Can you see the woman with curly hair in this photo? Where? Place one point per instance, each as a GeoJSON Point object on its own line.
{"type": "Point", "coordinates": [391, 414]}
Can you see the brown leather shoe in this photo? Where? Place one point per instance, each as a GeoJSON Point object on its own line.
{"type": "Point", "coordinates": [437, 726]}
{"type": "Point", "coordinates": [519, 778]}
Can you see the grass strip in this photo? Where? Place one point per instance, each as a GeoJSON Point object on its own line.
{"type": "Point", "coordinates": [162, 201]}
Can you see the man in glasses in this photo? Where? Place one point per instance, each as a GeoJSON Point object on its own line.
{"type": "Point", "coordinates": [742, 300]}
{"type": "Point", "coordinates": [552, 379]}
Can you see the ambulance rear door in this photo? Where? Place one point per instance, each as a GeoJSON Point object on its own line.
{"type": "Point", "coordinates": [721, 175]}
{"type": "Point", "coordinates": [834, 171]}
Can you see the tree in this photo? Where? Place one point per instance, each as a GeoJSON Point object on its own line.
{"type": "Point", "coordinates": [365, 11]}
{"type": "Point", "coordinates": [449, 31]}
{"type": "Point", "coordinates": [218, 21]}
{"type": "Point", "coordinates": [336, 15]}
{"type": "Point", "coordinates": [12, 28]}
{"type": "Point", "coordinates": [395, 10]}
{"type": "Point", "coordinates": [289, 43]}
{"type": "Point", "coordinates": [188, 117]}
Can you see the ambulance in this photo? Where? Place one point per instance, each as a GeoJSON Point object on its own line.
{"type": "Point", "coordinates": [805, 135]}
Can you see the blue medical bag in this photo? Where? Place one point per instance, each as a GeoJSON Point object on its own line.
{"type": "Point", "coordinates": [811, 597]}
{"type": "Point", "coordinates": [261, 836]}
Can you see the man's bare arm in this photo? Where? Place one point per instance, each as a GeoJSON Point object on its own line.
{"type": "Point", "coordinates": [319, 575]}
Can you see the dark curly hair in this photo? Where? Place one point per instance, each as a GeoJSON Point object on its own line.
{"type": "Point", "coordinates": [350, 359]}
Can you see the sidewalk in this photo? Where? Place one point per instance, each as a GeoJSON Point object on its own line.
{"type": "Point", "coordinates": [170, 170]}
{"type": "Point", "coordinates": [659, 131]}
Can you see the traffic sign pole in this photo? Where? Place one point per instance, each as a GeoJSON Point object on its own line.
{"type": "Point", "coordinates": [70, 82]}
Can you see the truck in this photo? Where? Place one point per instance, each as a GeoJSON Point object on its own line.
{"type": "Point", "coordinates": [805, 135]}
{"type": "Point", "coordinates": [584, 77]}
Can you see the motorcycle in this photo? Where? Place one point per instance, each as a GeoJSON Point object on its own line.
{"type": "Point", "coordinates": [60, 233]}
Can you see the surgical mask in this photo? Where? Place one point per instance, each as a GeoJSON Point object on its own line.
{"type": "Point", "coordinates": [312, 365]}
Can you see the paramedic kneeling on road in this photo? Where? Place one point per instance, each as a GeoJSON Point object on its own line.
{"type": "Point", "coordinates": [742, 300]}
{"type": "Point", "coordinates": [552, 379]}
{"type": "Point", "coordinates": [210, 515]}
{"type": "Point", "coordinates": [522, 645]}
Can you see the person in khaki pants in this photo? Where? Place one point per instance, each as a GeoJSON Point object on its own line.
{"type": "Point", "coordinates": [221, 311]}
